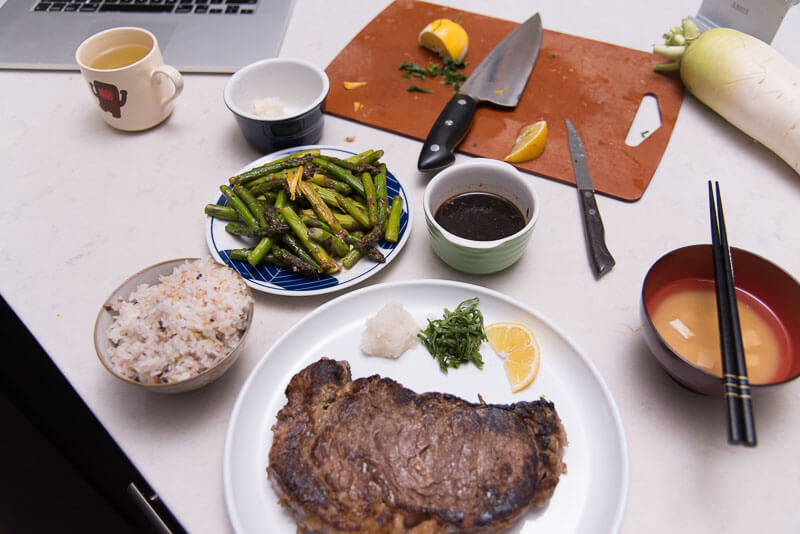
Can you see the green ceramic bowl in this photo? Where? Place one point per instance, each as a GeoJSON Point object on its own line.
{"type": "Point", "coordinates": [480, 175]}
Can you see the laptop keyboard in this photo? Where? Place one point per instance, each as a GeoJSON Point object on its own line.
{"type": "Point", "coordinates": [212, 7]}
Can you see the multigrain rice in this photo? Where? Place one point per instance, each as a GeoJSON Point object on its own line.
{"type": "Point", "coordinates": [180, 327]}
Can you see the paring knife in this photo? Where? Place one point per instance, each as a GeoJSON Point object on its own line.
{"type": "Point", "coordinates": [500, 79]}
{"type": "Point", "coordinates": [602, 262]}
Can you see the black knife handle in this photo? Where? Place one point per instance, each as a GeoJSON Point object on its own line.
{"type": "Point", "coordinates": [602, 261]}
{"type": "Point", "coordinates": [447, 132]}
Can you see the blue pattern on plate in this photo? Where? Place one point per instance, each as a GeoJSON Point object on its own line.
{"type": "Point", "coordinates": [274, 275]}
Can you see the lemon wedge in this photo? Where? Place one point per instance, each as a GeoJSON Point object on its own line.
{"type": "Point", "coordinates": [529, 144]}
{"type": "Point", "coordinates": [446, 38]}
{"type": "Point", "coordinates": [518, 347]}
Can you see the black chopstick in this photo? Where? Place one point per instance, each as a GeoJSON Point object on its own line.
{"type": "Point", "coordinates": [736, 386]}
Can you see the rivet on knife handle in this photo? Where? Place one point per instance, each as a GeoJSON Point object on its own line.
{"type": "Point", "coordinates": [601, 258]}
{"type": "Point", "coordinates": [447, 132]}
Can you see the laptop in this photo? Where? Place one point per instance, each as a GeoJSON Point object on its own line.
{"type": "Point", "coordinates": [194, 35]}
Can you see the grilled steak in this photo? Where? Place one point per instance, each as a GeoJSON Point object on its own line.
{"type": "Point", "coordinates": [369, 455]}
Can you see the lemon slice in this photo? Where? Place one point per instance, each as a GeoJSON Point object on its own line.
{"type": "Point", "coordinates": [446, 38]}
{"type": "Point", "coordinates": [518, 347]}
{"type": "Point", "coordinates": [529, 144]}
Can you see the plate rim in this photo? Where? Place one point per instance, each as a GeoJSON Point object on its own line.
{"type": "Point", "coordinates": [330, 289]}
{"type": "Point", "coordinates": [619, 427]}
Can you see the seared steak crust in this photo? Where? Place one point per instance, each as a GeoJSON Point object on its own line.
{"type": "Point", "coordinates": [372, 456]}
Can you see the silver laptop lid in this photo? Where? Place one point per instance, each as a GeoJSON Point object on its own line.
{"type": "Point", "coordinates": [194, 35]}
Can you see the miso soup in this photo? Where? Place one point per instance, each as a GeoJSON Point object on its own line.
{"type": "Point", "coordinates": [685, 315]}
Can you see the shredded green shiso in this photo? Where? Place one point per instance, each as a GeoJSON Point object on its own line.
{"type": "Point", "coordinates": [450, 70]}
{"type": "Point", "coordinates": [456, 337]}
{"type": "Point", "coordinates": [414, 88]}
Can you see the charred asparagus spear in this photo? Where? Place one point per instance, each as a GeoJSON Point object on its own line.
{"type": "Point", "coordinates": [222, 212]}
{"type": "Point", "coordinates": [393, 225]}
{"type": "Point", "coordinates": [301, 232]}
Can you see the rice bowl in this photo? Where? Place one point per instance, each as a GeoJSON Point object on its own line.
{"type": "Point", "coordinates": [174, 326]}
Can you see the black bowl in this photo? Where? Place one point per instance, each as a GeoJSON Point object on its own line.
{"type": "Point", "coordinates": [767, 283]}
{"type": "Point", "coordinates": [298, 89]}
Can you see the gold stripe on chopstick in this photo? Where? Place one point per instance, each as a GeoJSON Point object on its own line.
{"type": "Point", "coordinates": [732, 389]}
{"type": "Point", "coordinates": [735, 377]}
{"type": "Point", "coordinates": [740, 395]}
{"type": "Point", "coordinates": [735, 385]}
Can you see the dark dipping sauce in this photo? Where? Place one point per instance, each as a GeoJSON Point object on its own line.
{"type": "Point", "coordinates": [480, 216]}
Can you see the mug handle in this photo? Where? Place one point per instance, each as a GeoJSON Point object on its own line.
{"type": "Point", "coordinates": [173, 75]}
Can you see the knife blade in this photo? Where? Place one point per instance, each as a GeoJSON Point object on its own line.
{"type": "Point", "coordinates": [601, 258]}
{"type": "Point", "coordinates": [500, 79]}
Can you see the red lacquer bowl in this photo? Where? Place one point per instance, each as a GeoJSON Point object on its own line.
{"type": "Point", "coordinates": [768, 284]}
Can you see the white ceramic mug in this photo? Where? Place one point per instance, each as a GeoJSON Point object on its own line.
{"type": "Point", "coordinates": [135, 90]}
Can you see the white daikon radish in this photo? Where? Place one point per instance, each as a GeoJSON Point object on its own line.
{"type": "Point", "coordinates": [742, 78]}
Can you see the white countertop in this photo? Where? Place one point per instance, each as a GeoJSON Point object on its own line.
{"type": "Point", "coordinates": [86, 206]}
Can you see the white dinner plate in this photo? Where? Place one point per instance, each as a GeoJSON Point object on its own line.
{"type": "Point", "coordinates": [590, 497]}
{"type": "Point", "coordinates": [271, 279]}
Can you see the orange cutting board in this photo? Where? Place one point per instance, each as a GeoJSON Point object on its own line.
{"type": "Point", "coordinates": [598, 86]}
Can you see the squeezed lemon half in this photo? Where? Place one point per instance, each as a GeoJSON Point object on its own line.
{"type": "Point", "coordinates": [446, 38]}
{"type": "Point", "coordinates": [529, 143]}
{"type": "Point", "coordinates": [518, 347]}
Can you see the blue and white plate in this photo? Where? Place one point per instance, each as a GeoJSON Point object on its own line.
{"type": "Point", "coordinates": [270, 279]}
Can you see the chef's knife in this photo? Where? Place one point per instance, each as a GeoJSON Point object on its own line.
{"type": "Point", "coordinates": [602, 262]}
{"type": "Point", "coordinates": [500, 79]}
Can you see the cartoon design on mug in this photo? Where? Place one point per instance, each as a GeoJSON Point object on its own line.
{"type": "Point", "coordinates": [109, 97]}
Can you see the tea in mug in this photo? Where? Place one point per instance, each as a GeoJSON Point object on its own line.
{"type": "Point", "coordinates": [119, 56]}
